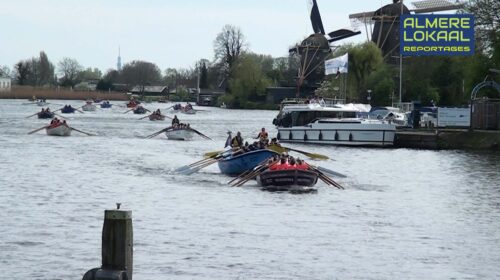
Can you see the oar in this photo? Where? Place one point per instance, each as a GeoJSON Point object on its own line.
{"type": "Point", "coordinates": [214, 153]}
{"type": "Point", "coordinates": [247, 172]}
{"type": "Point", "coordinates": [281, 149]}
{"type": "Point", "coordinates": [198, 168]}
{"type": "Point", "coordinates": [199, 133]}
{"type": "Point", "coordinates": [158, 133]}
{"type": "Point", "coordinates": [331, 172]}
{"type": "Point", "coordinates": [144, 117]}
{"type": "Point", "coordinates": [129, 110]}
{"type": "Point", "coordinates": [253, 174]}
{"type": "Point", "coordinates": [62, 117]}
{"type": "Point", "coordinates": [83, 132]}
{"type": "Point", "coordinates": [33, 115]}
{"type": "Point", "coordinates": [38, 129]}
{"type": "Point", "coordinates": [200, 162]}
{"type": "Point", "coordinates": [147, 110]}
{"type": "Point", "coordinates": [325, 178]}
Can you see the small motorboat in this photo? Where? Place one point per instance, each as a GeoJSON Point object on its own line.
{"type": "Point", "coordinates": [106, 105]}
{"type": "Point", "coordinates": [67, 109]}
{"type": "Point", "coordinates": [179, 134]}
{"type": "Point", "coordinates": [156, 117]}
{"type": "Point", "coordinates": [89, 107]}
{"type": "Point", "coordinates": [140, 110]}
{"type": "Point", "coordinates": [59, 129]}
{"type": "Point", "coordinates": [290, 180]}
{"type": "Point", "coordinates": [45, 114]}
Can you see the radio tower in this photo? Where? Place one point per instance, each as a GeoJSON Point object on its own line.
{"type": "Point", "coordinates": [119, 62]}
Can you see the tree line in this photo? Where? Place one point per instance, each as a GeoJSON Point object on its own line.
{"type": "Point", "coordinates": [244, 75]}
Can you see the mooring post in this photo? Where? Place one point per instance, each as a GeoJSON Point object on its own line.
{"type": "Point", "coordinates": [117, 247]}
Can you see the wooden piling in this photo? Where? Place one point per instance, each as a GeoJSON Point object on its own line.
{"type": "Point", "coordinates": [117, 241]}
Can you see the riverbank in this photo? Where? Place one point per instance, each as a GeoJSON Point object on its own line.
{"type": "Point", "coordinates": [27, 92]}
{"type": "Point", "coordinates": [448, 139]}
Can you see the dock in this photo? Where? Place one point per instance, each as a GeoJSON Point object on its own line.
{"type": "Point", "coordinates": [448, 139]}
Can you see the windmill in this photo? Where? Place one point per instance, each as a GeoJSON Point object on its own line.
{"type": "Point", "coordinates": [384, 22]}
{"type": "Point", "coordinates": [314, 50]}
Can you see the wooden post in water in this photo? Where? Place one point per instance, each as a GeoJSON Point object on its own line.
{"type": "Point", "coordinates": [117, 247]}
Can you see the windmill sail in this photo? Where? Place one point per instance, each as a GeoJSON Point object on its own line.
{"type": "Point", "coordinates": [316, 21]}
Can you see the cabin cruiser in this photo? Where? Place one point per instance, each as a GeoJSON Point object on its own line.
{"type": "Point", "coordinates": [332, 124]}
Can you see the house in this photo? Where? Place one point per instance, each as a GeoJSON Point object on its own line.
{"type": "Point", "coordinates": [150, 90]}
{"type": "Point", "coordinates": [208, 97]}
{"type": "Point", "coordinates": [5, 84]}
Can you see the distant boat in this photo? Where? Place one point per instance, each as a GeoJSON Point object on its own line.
{"type": "Point", "coordinates": [106, 104]}
{"type": "Point", "coordinates": [223, 105]}
{"type": "Point", "coordinates": [41, 103]}
{"type": "Point", "coordinates": [67, 109]}
{"type": "Point", "coordinates": [140, 110]}
{"type": "Point", "coordinates": [133, 104]}
{"type": "Point", "coordinates": [89, 107]}
{"type": "Point", "coordinates": [156, 117]}
{"type": "Point", "coordinates": [45, 115]}
{"type": "Point", "coordinates": [60, 129]}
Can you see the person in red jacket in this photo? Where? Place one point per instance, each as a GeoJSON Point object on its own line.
{"type": "Point", "coordinates": [302, 165]}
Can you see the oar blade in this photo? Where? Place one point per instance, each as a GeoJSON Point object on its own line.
{"type": "Point", "coordinates": [331, 172]}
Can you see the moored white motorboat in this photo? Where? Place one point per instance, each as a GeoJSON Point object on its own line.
{"type": "Point", "coordinates": [337, 124]}
{"type": "Point", "coordinates": [60, 129]}
{"type": "Point", "coordinates": [179, 134]}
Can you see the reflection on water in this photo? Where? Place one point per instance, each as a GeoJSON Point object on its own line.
{"type": "Point", "coordinates": [405, 214]}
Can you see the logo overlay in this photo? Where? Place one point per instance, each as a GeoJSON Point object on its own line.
{"type": "Point", "coordinates": [437, 35]}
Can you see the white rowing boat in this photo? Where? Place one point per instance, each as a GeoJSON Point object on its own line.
{"type": "Point", "coordinates": [59, 130]}
{"type": "Point", "coordinates": [179, 134]}
{"type": "Point", "coordinates": [188, 111]}
{"type": "Point", "coordinates": [89, 107]}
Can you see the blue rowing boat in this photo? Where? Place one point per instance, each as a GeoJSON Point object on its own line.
{"type": "Point", "coordinates": [238, 164]}
{"type": "Point", "coordinates": [67, 109]}
{"type": "Point", "coordinates": [106, 105]}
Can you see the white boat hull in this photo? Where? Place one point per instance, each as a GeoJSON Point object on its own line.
{"type": "Point", "coordinates": [364, 133]}
{"type": "Point", "coordinates": [179, 134]}
{"type": "Point", "coordinates": [89, 108]}
{"type": "Point", "coordinates": [62, 130]}
{"type": "Point", "coordinates": [189, 112]}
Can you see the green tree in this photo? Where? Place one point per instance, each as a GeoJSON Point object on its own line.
{"type": "Point", "coordinates": [363, 60]}
{"type": "Point", "coordinates": [46, 70]}
{"type": "Point", "coordinates": [248, 85]}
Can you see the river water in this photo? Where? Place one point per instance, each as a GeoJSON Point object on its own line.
{"type": "Point", "coordinates": [405, 214]}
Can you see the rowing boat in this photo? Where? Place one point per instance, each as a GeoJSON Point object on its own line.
{"type": "Point", "coordinates": [235, 165]}
{"type": "Point", "coordinates": [291, 180]}
{"type": "Point", "coordinates": [45, 115]}
{"type": "Point", "coordinates": [179, 134]}
{"type": "Point", "coordinates": [59, 129]}
{"type": "Point", "coordinates": [89, 107]}
{"type": "Point", "coordinates": [156, 117]}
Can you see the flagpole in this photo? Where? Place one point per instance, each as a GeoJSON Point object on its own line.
{"type": "Point", "coordinates": [400, 65]}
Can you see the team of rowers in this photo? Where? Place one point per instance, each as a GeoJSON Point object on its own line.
{"type": "Point", "coordinates": [56, 122]}
{"type": "Point", "coordinates": [283, 162]}
{"type": "Point", "coordinates": [176, 124]}
{"type": "Point", "coordinates": [286, 162]}
{"type": "Point", "coordinates": [185, 108]}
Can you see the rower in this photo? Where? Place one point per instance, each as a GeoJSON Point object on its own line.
{"type": "Point", "coordinates": [228, 140]}
{"type": "Point", "coordinates": [175, 121]}
{"type": "Point", "coordinates": [263, 136]}
{"type": "Point", "coordinates": [237, 141]}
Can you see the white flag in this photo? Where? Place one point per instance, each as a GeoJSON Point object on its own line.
{"type": "Point", "coordinates": [336, 65]}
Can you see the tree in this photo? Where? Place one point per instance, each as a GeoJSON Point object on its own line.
{"type": "Point", "coordinates": [487, 22]}
{"type": "Point", "coordinates": [90, 74]}
{"type": "Point", "coordinates": [22, 72]}
{"type": "Point", "coordinates": [248, 85]}
{"type": "Point", "coordinates": [107, 81]}
{"type": "Point", "coordinates": [45, 70]}
{"type": "Point", "coordinates": [4, 71]}
{"type": "Point", "coordinates": [141, 73]}
{"type": "Point", "coordinates": [363, 59]}
{"type": "Point", "coordinates": [69, 69]}
{"type": "Point", "coordinates": [228, 46]}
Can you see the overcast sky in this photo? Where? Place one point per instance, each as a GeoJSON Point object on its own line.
{"type": "Point", "coordinates": [170, 33]}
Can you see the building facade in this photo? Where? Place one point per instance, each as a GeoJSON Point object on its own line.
{"type": "Point", "coordinates": [5, 84]}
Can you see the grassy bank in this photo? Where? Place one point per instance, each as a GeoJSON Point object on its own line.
{"type": "Point", "coordinates": [27, 92]}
